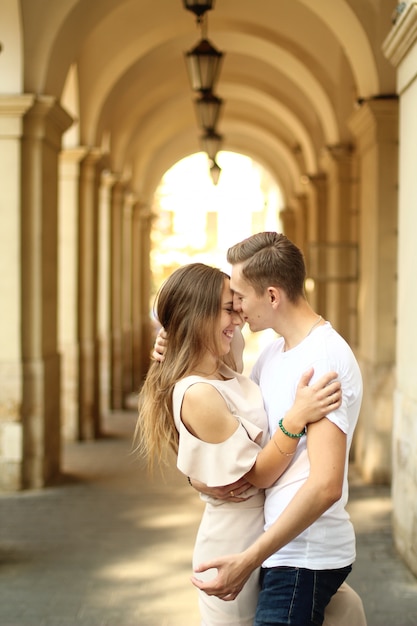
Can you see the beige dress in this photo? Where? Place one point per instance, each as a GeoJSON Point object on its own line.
{"type": "Point", "coordinates": [226, 527]}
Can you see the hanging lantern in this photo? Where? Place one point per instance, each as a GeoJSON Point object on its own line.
{"type": "Point", "coordinates": [198, 7]}
{"type": "Point", "coordinates": [215, 171]}
{"type": "Point", "coordinates": [207, 108]}
{"type": "Point", "coordinates": [211, 142]}
{"type": "Point", "coordinates": [203, 65]}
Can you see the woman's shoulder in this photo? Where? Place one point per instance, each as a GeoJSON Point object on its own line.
{"type": "Point", "coordinates": [197, 387]}
{"type": "Point", "coordinates": [203, 390]}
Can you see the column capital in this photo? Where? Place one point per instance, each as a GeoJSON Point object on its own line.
{"type": "Point", "coordinates": [12, 110]}
{"type": "Point", "coordinates": [47, 118]}
{"type": "Point", "coordinates": [91, 155]}
{"type": "Point", "coordinates": [144, 212]}
{"type": "Point", "coordinates": [317, 179]}
{"type": "Point", "coordinates": [374, 119]}
{"type": "Point", "coordinates": [286, 212]}
{"type": "Point", "coordinates": [403, 35]}
{"type": "Point", "coordinates": [73, 155]}
{"type": "Point", "coordinates": [15, 105]}
{"type": "Point", "coordinates": [131, 199]}
{"type": "Point", "coordinates": [340, 151]}
{"type": "Point", "coordinates": [108, 178]}
{"type": "Point", "coordinates": [89, 171]}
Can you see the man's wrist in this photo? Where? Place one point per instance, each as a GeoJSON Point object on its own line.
{"type": "Point", "coordinates": [253, 557]}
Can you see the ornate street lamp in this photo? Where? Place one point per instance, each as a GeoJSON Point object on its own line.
{"type": "Point", "coordinates": [198, 7]}
{"type": "Point", "coordinates": [211, 142]}
{"type": "Point", "coordinates": [215, 171]}
{"type": "Point", "coordinates": [203, 65]}
{"type": "Point", "coordinates": [207, 108]}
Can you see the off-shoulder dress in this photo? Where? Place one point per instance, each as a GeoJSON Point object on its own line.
{"type": "Point", "coordinates": [226, 527]}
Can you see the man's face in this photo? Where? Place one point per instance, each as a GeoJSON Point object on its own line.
{"type": "Point", "coordinates": [255, 309]}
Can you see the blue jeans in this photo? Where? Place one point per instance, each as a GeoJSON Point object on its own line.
{"type": "Point", "coordinates": [296, 596]}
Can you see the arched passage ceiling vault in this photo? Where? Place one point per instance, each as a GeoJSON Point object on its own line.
{"type": "Point", "coordinates": [292, 72]}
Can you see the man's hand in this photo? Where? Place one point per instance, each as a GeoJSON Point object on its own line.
{"type": "Point", "coordinates": [235, 492]}
{"type": "Point", "coordinates": [159, 347]}
{"type": "Point", "coordinates": [232, 573]}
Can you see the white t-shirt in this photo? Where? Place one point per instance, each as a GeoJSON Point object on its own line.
{"type": "Point", "coordinates": [329, 543]}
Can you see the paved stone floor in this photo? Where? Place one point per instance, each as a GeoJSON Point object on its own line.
{"type": "Point", "coordinates": [112, 547]}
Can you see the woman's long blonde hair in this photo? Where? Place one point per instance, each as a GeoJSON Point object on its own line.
{"type": "Point", "coordinates": [188, 305]}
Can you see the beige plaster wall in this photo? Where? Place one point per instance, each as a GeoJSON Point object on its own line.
{"type": "Point", "coordinates": [404, 487]}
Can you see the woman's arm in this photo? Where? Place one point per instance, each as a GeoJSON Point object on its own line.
{"type": "Point", "coordinates": [311, 404]}
{"type": "Point", "coordinates": [206, 415]}
{"type": "Point", "coordinates": [323, 487]}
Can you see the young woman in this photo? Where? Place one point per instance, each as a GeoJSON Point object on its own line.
{"type": "Point", "coordinates": [214, 420]}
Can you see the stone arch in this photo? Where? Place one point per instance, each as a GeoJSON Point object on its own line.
{"type": "Point", "coordinates": [11, 50]}
{"type": "Point", "coordinates": [343, 22]}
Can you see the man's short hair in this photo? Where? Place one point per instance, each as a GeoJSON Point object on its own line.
{"type": "Point", "coordinates": [270, 259]}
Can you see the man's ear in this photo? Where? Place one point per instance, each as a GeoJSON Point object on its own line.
{"type": "Point", "coordinates": [274, 295]}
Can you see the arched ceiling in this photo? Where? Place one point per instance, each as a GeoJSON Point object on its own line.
{"type": "Point", "coordinates": [292, 72]}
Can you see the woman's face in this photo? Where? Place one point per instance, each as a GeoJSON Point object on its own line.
{"type": "Point", "coordinates": [228, 320]}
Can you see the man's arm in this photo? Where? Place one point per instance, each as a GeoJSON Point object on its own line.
{"type": "Point", "coordinates": [323, 487]}
{"type": "Point", "coordinates": [160, 345]}
{"type": "Point", "coordinates": [235, 492]}
{"type": "Point", "coordinates": [236, 347]}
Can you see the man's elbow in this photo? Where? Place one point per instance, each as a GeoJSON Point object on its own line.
{"type": "Point", "coordinates": [333, 497]}
{"type": "Point", "coordinates": [330, 493]}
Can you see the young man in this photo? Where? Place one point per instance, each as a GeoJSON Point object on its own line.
{"type": "Point", "coordinates": [308, 545]}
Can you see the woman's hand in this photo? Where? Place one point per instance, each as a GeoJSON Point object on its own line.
{"type": "Point", "coordinates": [313, 402]}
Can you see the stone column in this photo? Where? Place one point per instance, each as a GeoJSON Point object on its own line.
{"type": "Point", "coordinates": [12, 110]}
{"type": "Point", "coordinates": [104, 278]}
{"type": "Point", "coordinates": [375, 126]}
{"type": "Point", "coordinates": [303, 218]}
{"type": "Point", "coordinates": [126, 276]}
{"type": "Point", "coordinates": [400, 48]}
{"type": "Point", "coordinates": [44, 124]}
{"type": "Point", "coordinates": [302, 221]}
{"type": "Point", "coordinates": [341, 245]}
{"type": "Point", "coordinates": [88, 384]}
{"type": "Point", "coordinates": [69, 173]}
{"type": "Point", "coordinates": [146, 328]}
{"type": "Point", "coordinates": [116, 393]}
{"type": "Point", "coordinates": [317, 235]}
{"type": "Point", "coordinates": [137, 297]}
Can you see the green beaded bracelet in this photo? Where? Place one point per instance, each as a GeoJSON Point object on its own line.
{"type": "Point", "coordinates": [285, 431]}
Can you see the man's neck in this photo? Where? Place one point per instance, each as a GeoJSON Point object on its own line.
{"type": "Point", "coordinates": [297, 324]}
